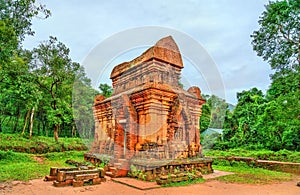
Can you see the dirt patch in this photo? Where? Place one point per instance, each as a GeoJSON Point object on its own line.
{"type": "Point", "coordinates": [216, 173]}
{"type": "Point", "coordinates": [38, 186]}
{"type": "Point", "coordinates": [138, 184]}
{"type": "Point", "coordinates": [39, 159]}
{"type": "Point", "coordinates": [144, 185]}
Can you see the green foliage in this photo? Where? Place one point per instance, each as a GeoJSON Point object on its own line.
{"type": "Point", "coordinates": [106, 90]}
{"type": "Point", "coordinates": [239, 128]}
{"type": "Point", "coordinates": [271, 121]}
{"type": "Point", "coordinates": [19, 166]}
{"type": "Point", "coordinates": [205, 118]}
{"type": "Point", "coordinates": [277, 40]}
{"type": "Point", "coordinates": [9, 156]}
{"type": "Point", "coordinates": [22, 166]}
{"type": "Point", "coordinates": [39, 144]}
{"type": "Point", "coordinates": [260, 122]}
{"type": "Point", "coordinates": [8, 41]}
{"type": "Point", "coordinates": [136, 173]}
{"type": "Point", "coordinates": [63, 156]}
{"type": "Point", "coordinates": [213, 113]}
{"type": "Point", "coordinates": [41, 79]}
{"type": "Point", "coordinates": [82, 103]}
{"type": "Point", "coordinates": [19, 14]}
{"type": "Point", "coordinates": [55, 74]}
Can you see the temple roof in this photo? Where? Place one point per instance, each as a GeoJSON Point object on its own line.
{"type": "Point", "coordinates": [165, 50]}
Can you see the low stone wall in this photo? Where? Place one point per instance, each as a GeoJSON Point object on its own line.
{"type": "Point", "coordinates": [165, 171]}
{"type": "Point", "coordinates": [279, 166]}
{"type": "Point", "coordinates": [288, 167]}
{"type": "Point", "coordinates": [162, 170]}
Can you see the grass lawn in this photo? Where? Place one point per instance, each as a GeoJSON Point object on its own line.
{"type": "Point", "coordinates": [281, 155]}
{"type": "Point", "coordinates": [23, 166]}
{"type": "Point", "coordinates": [40, 144]}
{"type": "Point", "coordinates": [249, 175]}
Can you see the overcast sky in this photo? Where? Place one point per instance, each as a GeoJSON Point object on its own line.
{"type": "Point", "coordinates": [221, 27]}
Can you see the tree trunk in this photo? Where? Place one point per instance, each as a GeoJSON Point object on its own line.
{"type": "Point", "coordinates": [39, 126]}
{"type": "Point", "coordinates": [9, 122]}
{"type": "Point", "coordinates": [56, 127]}
{"type": "Point", "coordinates": [31, 123]}
{"type": "Point", "coordinates": [17, 120]}
{"type": "Point", "coordinates": [25, 122]}
{"type": "Point", "coordinates": [73, 131]}
{"type": "Point", "coordinates": [39, 118]}
{"type": "Point", "coordinates": [1, 122]}
{"type": "Point", "coordinates": [45, 128]}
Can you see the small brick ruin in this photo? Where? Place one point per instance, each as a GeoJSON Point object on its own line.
{"type": "Point", "coordinates": [150, 121]}
{"type": "Point", "coordinates": [75, 176]}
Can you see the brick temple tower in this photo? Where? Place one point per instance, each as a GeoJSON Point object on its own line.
{"type": "Point", "coordinates": [149, 114]}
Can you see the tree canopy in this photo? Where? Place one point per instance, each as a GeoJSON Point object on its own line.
{"type": "Point", "coordinates": [278, 39]}
{"type": "Point", "coordinates": [271, 121]}
{"type": "Point", "coordinates": [105, 90]}
{"type": "Point", "coordinates": [37, 83]}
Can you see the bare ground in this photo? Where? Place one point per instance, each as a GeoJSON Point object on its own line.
{"type": "Point", "coordinates": [39, 187]}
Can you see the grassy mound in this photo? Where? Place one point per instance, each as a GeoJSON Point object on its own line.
{"type": "Point", "coordinates": [39, 144]}
{"type": "Point", "coordinates": [281, 155]}
{"type": "Point", "coordinates": [23, 166]}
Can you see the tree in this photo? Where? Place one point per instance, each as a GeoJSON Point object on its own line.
{"type": "Point", "coordinates": [278, 39]}
{"type": "Point", "coordinates": [279, 123]}
{"type": "Point", "coordinates": [106, 90]}
{"type": "Point", "coordinates": [239, 127]}
{"type": "Point", "coordinates": [213, 113]}
{"type": "Point", "coordinates": [205, 117]}
{"type": "Point", "coordinates": [8, 43]}
{"type": "Point", "coordinates": [19, 13]}
{"type": "Point", "coordinates": [16, 91]}
{"type": "Point", "coordinates": [83, 100]}
{"type": "Point", "coordinates": [278, 42]}
{"type": "Point", "coordinates": [55, 74]}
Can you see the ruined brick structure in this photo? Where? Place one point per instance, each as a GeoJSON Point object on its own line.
{"type": "Point", "coordinates": [149, 115]}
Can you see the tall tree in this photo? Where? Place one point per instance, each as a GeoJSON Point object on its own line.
{"type": "Point", "coordinates": [16, 92]}
{"type": "Point", "coordinates": [83, 100]}
{"type": "Point", "coordinates": [278, 42]}
{"type": "Point", "coordinates": [213, 113]}
{"type": "Point", "coordinates": [8, 43]}
{"type": "Point", "coordinates": [278, 39]}
{"type": "Point", "coordinates": [19, 13]}
{"type": "Point", "coordinates": [55, 74]}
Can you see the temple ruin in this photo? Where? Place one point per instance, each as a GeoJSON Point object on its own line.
{"type": "Point", "coordinates": [150, 121]}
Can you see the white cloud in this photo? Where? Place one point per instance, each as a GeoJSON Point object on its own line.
{"type": "Point", "coordinates": [223, 27]}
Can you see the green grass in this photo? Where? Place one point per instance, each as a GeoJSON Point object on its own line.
{"type": "Point", "coordinates": [39, 144]}
{"type": "Point", "coordinates": [249, 175]}
{"type": "Point", "coordinates": [22, 166]}
{"type": "Point", "coordinates": [282, 155]}
{"type": "Point", "coordinates": [18, 155]}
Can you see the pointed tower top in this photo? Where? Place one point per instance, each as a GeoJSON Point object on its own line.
{"type": "Point", "coordinates": [165, 50]}
{"type": "Point", "coordinates": [167, 43]}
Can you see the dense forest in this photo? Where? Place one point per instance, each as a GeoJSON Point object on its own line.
{"type": "Point", "coordinates": [37, 96]}
{"type": "Point", "coordinates": [271, 120]}
{"type": "Point", "coordinates": [36, 86]}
